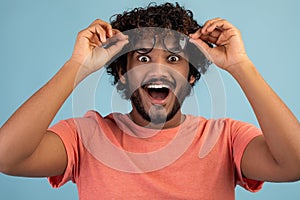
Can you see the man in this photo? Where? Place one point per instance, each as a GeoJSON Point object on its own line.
{"type": "Point", "coordinates": [155, 151]}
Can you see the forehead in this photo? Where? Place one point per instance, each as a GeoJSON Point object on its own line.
{"type": "Point", "coordinates": [152, 37]}
{"type": "Point", "coordinates": [150, 33]}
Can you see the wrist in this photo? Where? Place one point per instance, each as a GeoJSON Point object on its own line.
{"type": "Point", "coordinates": [243, 71]}
{"type": "Point", "coordinates": [78, 69]}
{"type": "Point", "coordinates": [239, 66]}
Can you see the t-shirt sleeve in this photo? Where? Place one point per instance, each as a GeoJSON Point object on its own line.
{"type": "Point", "coordinates": [242, 134]}
{"type": "Point", "coordinates": [66, 130]}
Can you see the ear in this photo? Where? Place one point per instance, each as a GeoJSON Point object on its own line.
{"type": "Point", "coordinates": [122, 79]}
{"type": "Point", "coordinates": [192, 80]}
{"type": "Point", "coordinates": [121, 75]}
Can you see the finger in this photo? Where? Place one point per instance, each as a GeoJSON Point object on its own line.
{"type": "Point", "coordinates": [117, 37]}
{"type": "Point", "coordinates": [119, 34]}
{"type": "Point", "coordinates": [219, 31]}
{"type": "Point", "coordinates": [105, 25]}
{"type": "Point", "coordinates": [212, 37]}
{"type": "Point", "coordinates": [207, 24]}
{"type": "Point", "coordinates": [108, 53]}
{"type": "Point", "coordinates": [96, 33]}
{"type": "Point", "coordinates": [116, 47]}
{"type": "Point", "coordinates": [216, 24]}
{"type": "Point", "coordinates": [209, 39]}
{"type": "Point", "coordinates": [226, 36]}
{"type": "Point", "coordinates": [196, 35]}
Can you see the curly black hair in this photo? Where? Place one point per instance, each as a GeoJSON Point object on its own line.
{"type": "Point", "coordinates": [167, 15]}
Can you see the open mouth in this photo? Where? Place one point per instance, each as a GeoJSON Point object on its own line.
{"type": "Point", "coordinates": [157, 92]}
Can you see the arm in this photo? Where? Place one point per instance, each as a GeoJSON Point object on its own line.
{"type": "Point", "coordinates": [275, 156]}
{"type": "Point", "coordinates": [26, 148]}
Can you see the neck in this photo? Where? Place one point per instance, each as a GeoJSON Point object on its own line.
{"type": "Point", "coordinates": [174, 122]}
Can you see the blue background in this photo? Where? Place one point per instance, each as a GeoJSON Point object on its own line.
{"type": "Point", "coordinates": [37, 37]}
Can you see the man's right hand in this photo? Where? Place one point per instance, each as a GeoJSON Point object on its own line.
{"type": "Point", "coordinates": [89, 51]}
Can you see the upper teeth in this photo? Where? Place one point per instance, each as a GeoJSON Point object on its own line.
{"type": "Point", "coordinates": [157, 86]}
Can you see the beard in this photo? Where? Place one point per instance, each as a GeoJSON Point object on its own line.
{"type": "Point", "coordinates": [157, 113]}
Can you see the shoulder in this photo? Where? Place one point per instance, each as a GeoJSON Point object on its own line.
{"type": "Point", "coordinates": [229, 129]}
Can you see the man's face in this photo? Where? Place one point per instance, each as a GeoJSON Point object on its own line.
{"type": "Point", "coordinates": [158, 83]}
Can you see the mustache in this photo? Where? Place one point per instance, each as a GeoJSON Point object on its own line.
{"type": "Point", "coordinates": [163, 81]}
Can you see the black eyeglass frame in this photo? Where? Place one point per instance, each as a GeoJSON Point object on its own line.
{"type": "Point", "coordinates": [183, 41]}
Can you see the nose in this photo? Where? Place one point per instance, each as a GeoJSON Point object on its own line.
{"type": "Point", "coordinates": [159, 64]}
{"type": "Point", "coordinates": [159, 70]}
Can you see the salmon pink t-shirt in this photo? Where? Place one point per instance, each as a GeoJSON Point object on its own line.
{"type": "Point", "coordinates": [113, 158]}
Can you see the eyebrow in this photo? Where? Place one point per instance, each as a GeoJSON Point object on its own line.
{"type": "Point", "coordinates": [168, 53]}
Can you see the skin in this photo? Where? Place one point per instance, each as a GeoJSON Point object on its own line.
{"type": "Point", "coordinates": [25, 139]}
{"type": "Point", "coordinates": [158, 64]}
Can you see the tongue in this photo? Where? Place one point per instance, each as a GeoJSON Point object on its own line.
{"type": "Point", "coordinates": [158, 94]}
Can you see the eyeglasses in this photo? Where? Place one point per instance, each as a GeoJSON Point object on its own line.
{"type": "Point", "coordinates": [144, 43]}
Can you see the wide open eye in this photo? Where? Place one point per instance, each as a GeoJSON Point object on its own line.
{"type": "Point", "coordinates": [143, 58]}
{"type": "Point", "coordinates": [173, 58]}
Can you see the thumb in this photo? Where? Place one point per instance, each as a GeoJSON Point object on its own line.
{"type": "Point", "coordinates": [115, 44]}
{"type": "Point", "coordinates": [116, 48]}
{"type": "Point", "coordinates": [104, 53]}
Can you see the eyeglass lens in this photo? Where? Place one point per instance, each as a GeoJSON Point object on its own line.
{"type": "Point", "coordinates": [144, 44]}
